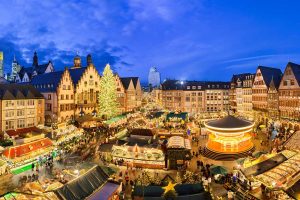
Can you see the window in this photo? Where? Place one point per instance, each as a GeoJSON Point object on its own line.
{"type": "Point", "coordinates": [20, 112]}
{"type": "Point", "coordinates": [188, 87]}
{"type": "Point", "coordinates": [61, 107]}
{"type": "Point", "coordinates": [48, 106]}
{"type": "Point", "coordinates": [71, 96]}
{"type": "Point", "coordinates": [199, 87]}
{"type": "Point", "coordinates": [30, 112]}
{"type": "Point", "coordinates": [49, 96]}
{"type": "Point", "coordinates": [21, 123]}
{"type": "Point", "coordinates": [9, 125]}
{"type": "Point", "coordinates": [285, 83]}
{"type": "Point", "coordinates": [91, 76]}
{"type": "Point", "coordinates": [193, 87]}
{"type": "Point", "coordinates": [67, 106]}
{"type": "Point", "coordinates": [62, 97]}
{"type": "Point", "coordinates": [67, 97]}
{"type": "Point", "coordinates": [30, 102]}
{"type": "Point", "coordinates": [69, 87]}
{"type": "Point", "coordinates": [292, 82]}
{"type": "Point", "coordinates": [64, 87]}
{"type": "Point", "coordinates": [9, 104]}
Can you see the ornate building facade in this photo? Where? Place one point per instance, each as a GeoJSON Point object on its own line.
{"type": "Point", "coordinates": [260, 88]}
{"type": "Point", "coordinates": [74, 92]}
{"type": "Point", "coordinates": [289, 93]}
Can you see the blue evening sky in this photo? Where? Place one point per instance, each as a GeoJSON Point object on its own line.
{"type": "Point", "coordinates": [184, 39]}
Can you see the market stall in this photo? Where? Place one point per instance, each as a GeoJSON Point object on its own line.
{"type": "Point", "coordinates": [178, 152]}
{"type": "Point", "coordinates": [281, 175]}
{"type": "Point", "coordinates": [139, 156]}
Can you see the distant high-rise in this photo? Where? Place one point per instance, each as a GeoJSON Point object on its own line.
{"type": "Point", "coordinates": [154, 77]}
{"type": "Point", "coordinates": [1, 64]}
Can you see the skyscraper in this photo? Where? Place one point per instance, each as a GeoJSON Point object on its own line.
{"type": "Point", "coordinates": [153, 77]}
{"type": "Point", "coordinates": [1, 64]}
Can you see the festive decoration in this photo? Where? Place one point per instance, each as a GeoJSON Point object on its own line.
{"type": "Point", "coordinates": [189, 177]}
{"type": "Point", "coordinates": [178, 178]}
{"type": "Point", "coordinates": [169, 187]}
{"type": "Point", "coordinates": [107, 99]}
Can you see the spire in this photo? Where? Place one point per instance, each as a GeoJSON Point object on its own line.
{"type": "Point", "coordinates": [89, 59]}
{"type": "Point", "coordinates": [35, 60]}
{"type": "Point", "coordinates": [77, 61]}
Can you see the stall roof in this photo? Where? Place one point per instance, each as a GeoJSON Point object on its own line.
{"type": "Point", "coordinates": [83, 186]}
{"type": "Point", "coordinates": [115, 119]}
{"type": "Point", "coordinates": [182, 115]}
{"type": "Point", "coordinates": [294, 190]}
{"type": "Point", "coordinates": [23, 131]}
{"type": "Point", "coordinates": [264, 166]}
{"type": "Point", "coordinates": [105, 191]}
{"type": "Point", "coordinates": [23, 149]}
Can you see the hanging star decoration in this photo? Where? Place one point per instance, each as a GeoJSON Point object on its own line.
{"type": "Point", "coordinates": [169, 187]}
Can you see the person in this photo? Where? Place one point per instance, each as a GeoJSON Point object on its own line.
{"type": "Point", "coordinates": [230, 195]}
{"type": "Point", "coordinates": [209, 182]}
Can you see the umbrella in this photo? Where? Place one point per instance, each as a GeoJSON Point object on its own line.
{"type": "Point", "coordinates": [218, 170]}
{"type": "Point", "coordinates": [257, 154]}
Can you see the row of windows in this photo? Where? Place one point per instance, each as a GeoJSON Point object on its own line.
{"type": "Point", "coordinates": [289, 103]}
{"type": "Point", "coordinates": [20, 123]}
{"type": "Point", "coordinates": [29, 102]}
{"type": "Point", "coordinates": [65, 97]}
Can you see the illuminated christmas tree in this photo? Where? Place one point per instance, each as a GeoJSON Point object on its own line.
{"type": "Point", "coordinates": [107, 99]}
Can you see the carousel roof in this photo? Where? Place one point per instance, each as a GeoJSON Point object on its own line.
{"type": "Point", "coordinates": [229, 122]}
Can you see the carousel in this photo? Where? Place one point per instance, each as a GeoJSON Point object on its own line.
{"type": "Point", "coordinates": [229, 135]}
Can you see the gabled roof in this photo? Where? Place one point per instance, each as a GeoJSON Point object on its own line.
{"type": "Point", "coordinates": [296, 70]}
{"type": "Point", "coordinates": [270, 73]}
{"type": "Point", "coordinates": [17, 91]}
{"type": "Point", "coordinates": [76, 74]}
{"type": "Point", "coordinates": [47, 82]}
{"type": "Point", "coordinates": [240, 77]}
{"type": "Point", "coordinates": [126, 82]}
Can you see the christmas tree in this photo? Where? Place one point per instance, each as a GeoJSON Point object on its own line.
{"type": "Point", "coordinates": [107, 99]}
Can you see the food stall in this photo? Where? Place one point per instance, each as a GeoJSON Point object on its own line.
{"type": "Point", "coordinates": [139, 156]}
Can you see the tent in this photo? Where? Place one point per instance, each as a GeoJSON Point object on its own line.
{"type": "Point", "coordinates": [218, 170]}
{"type": "Point", "coordinates": [83, 186]}
{"type": "Point", "coordinates": [257, 154]}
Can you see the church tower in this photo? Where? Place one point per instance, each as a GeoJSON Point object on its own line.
{"type": "Point", "coordinates": [77, 61]}
{"type": "Point", "coordinates": [35, 60]}
{"type": "Point", "coordinates": [89, 60]}
{"type": "Point", "coordinates": [1, 64]}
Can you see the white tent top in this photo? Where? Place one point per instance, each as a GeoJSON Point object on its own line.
{"type": "Point", "coordinates": [178, 142]}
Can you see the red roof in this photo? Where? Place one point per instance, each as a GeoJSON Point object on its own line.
{"type": "Point", "coordinates": [23, 149]}
{"type": "Point", "coordinates": [23, 131]}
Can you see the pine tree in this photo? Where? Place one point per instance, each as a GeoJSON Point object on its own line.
{"type": "Point", "coordinates": [107, 99]}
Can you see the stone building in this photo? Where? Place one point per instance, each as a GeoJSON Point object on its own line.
{"type": "Point", "coordinates": [260, 88]}
{"type": "Point", "coordinates": [195, 96]}
{"type": "Point", "coordinates": [22, 106]}
{"type": "Point", "coordinates": [21, 74]}
{"type": "Point", "coordinates": [58, 91]}
{"type": "Point", "coordinates": [289, 93]}
{"type": "Point", "coordinates": [236, 92]}
{"type": "Point", "coordinates": [74, 92]}
{"type": "Point", "coordinates": [247, 96]}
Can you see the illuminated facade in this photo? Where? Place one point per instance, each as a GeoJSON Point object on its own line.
{"type": "Point", "coordinates": [289, 93]}
{"type": "Point", "coordinates": [229, 135]}
{"type": "Point", "coordinates": [260, 88]}
{"type": "Point", "coordinates": [195, 96]}
{"type": "Point", "coordinates": [22, 106]}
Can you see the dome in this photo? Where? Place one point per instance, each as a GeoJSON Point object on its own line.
{"type": "Point", "coordinates": [229, 122]}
